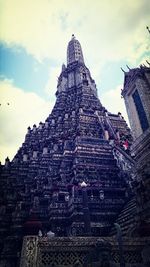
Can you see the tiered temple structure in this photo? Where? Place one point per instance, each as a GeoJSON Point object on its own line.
{"type": "Point", "coordinates": [71, 178]}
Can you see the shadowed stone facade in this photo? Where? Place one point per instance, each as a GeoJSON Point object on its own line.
{"type": "Point", "coordinates": [136, 93]}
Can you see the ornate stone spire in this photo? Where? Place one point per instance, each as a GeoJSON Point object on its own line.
{"type": "Point", "coordinates": [74, 51]}
{"type": "Point", "coordinates": [43, 187]}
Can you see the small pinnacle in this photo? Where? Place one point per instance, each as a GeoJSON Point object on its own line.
{"type": "Point", "coordinates": [148, 29]}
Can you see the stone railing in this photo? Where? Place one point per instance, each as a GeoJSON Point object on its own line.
{"type": "Point", "coordinates": [86, 251]}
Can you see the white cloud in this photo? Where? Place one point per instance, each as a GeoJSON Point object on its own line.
{"type": "Point", "coordinates": [113, 102]}
{"type": "Point", "coordinates": [114, 29]}
{"type": "Point", "coordinates": [51, 86]}
{"type": "Point", "coordinates": [24, 110]}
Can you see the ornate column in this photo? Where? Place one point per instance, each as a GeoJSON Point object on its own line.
{"type": "Point", "coordinates": [29, 251]}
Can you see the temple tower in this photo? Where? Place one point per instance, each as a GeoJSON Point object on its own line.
{"type": "Point", "coordinates": [70, 176]}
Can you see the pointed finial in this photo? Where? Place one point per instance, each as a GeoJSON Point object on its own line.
{"type": "Point", "coordinates": [128, 67]}
{"type": "Point", "coordinates": [148, 62]}
{"type": "Point", "coordinates": [7, 161]}
{"type": "Point", "coordinates": [148, 29]}
{"type": "Point", "coordinates": [123, 70]}
{"type": "Point", "coordinates": [74, 52]}
{"type": "Point", "coordinates": [63, 67]}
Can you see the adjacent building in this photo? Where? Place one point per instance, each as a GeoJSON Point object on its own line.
{"type": "Point", "coordinates": [136, 93]}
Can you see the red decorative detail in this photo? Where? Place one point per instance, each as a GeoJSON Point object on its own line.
{"type": "Point", "coordinates": [126, 144]}
{"type": "Point", "coordinates": [32, 226]}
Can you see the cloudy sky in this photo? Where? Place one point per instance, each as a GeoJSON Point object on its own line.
{"type": "Point", "coordinates": [33, 40]}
